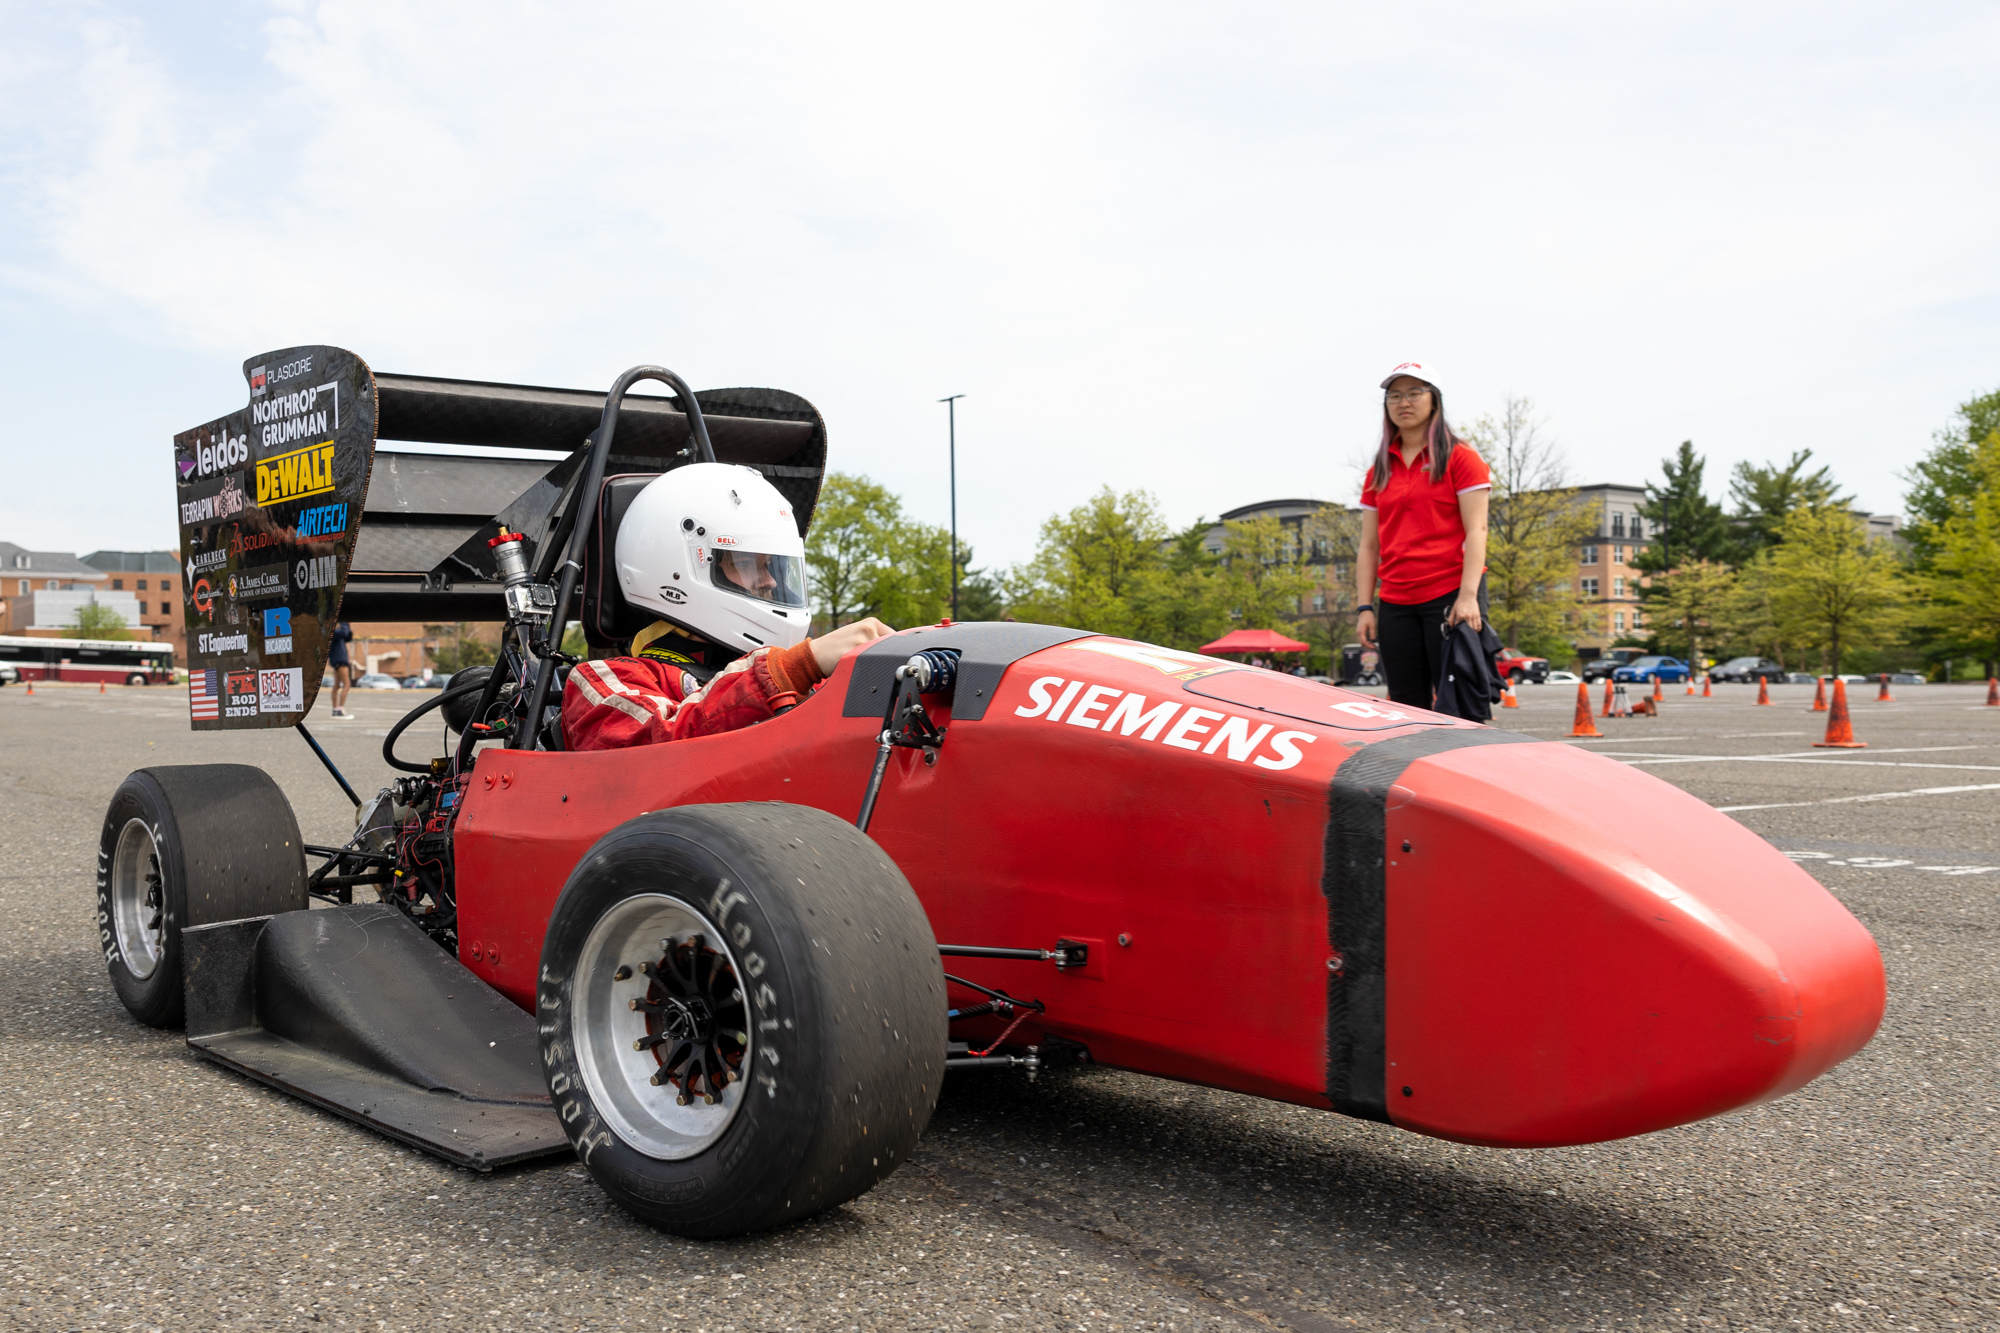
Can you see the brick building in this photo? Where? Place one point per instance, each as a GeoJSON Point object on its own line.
{"type": "Point", "coordinates": [42, 591]}
{"type": "Point", "coordinates": [153, 580]}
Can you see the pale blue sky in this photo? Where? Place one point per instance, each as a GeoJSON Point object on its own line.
{"type": "Point", "coordinates": [1162, 245]}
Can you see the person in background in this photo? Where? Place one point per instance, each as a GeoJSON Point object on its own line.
{"type": "Point", "coordinates": [343, 668]}
{"type": "Point", "coordinates": [1423, 536]}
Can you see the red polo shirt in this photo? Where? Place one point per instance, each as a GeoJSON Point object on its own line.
{"type": "Point", "coordinates": [1423, 537]}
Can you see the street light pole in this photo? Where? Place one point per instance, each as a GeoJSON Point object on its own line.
{"type": "Point", "coordinates": [951, 416]}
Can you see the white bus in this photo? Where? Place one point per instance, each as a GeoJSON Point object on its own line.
{"type": "Point", "coordinates": [112, 661]}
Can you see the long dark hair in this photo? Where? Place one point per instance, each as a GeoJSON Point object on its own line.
{"type": "Point", "coordinates": [1442, 439]}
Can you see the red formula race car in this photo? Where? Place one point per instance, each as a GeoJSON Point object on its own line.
{"type": "Point", "coordinates": [715, 970]}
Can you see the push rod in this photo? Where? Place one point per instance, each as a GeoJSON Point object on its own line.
{"type": "Point", "coordinates": [982, 951]}
{"type": "Point", "coordinates": [324, 758]}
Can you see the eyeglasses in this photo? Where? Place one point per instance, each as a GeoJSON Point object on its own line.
{"type": "Point", "coordinates": [1409, 395]}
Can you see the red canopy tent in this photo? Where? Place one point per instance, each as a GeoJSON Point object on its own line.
{"type": "Point", "coordinates": [1254, 641]}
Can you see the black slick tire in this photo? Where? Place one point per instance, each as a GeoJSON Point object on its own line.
{"type": "Point", "coordinates": [188, 846]}
{"type": "Point", "coordinates": [842, 1005]}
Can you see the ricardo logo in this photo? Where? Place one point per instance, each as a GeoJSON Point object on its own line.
{"type": "Point", "coordinates": [302, 472]}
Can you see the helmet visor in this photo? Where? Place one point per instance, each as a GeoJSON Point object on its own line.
{"type": "Point", "coordinates": [777, 579]}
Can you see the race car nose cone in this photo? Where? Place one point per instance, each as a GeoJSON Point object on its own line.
{"type": "Point", "coordinates": [1577, 951]}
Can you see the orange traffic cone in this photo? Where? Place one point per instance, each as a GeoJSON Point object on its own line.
{"type": "Point", "coordinates": [1584, 726]}
{"type": "Point", "coordinates": [1659, 695]}
{"type": "Point", "coordinates": [100, 687]}
{"type": "Point", "coordinates": [1763, 690]}
{"type": "Point", "coordinates": [1690, 685]}
{"type": "Point", "coordinates": [1993, 692]}
{"type": "Point", "coordinates": [1839, 731]}
{"type": "Point", "coordinates": [1707, 686]}
{"type": "Point", "coordinates": [1819, 698]}
{"type": "Point", "coordinates": [1607, 696]}
{"type": "Point", "coordinates": [1507, 699]}
{"type": "Point", "coordinates": [31, 688]}
{"type": "Point", "coordinates": [1883, 697]}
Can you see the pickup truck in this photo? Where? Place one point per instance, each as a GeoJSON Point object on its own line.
{"type": "Point", "coordinates": [1516, 666]}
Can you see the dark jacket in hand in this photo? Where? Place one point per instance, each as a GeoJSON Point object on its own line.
{"type": "Point", "coordinates": [1469, 684]}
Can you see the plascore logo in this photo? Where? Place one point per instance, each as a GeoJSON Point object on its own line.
{"type": "Point", "coordinates": [1081, 704]}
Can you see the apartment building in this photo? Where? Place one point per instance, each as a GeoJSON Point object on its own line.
{"type": "Point", "coordinates": [1607, 583]}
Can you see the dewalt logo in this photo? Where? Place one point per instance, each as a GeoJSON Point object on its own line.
{"type": "Point", "coordinates": [291, 476]}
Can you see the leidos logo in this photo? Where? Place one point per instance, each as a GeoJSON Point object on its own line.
{"type": "Point", "coordinates": [225, 451]}
{"type": "Point", "coordinates": [302, 472]}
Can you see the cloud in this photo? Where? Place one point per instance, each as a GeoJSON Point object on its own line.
{"type": "Point", "coordinates": [1167, 245]}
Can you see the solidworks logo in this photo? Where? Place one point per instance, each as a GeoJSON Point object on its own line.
{"type": "Point", "coordinates": [1167, 722]}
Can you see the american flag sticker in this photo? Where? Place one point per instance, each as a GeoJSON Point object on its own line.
{"type": "Point", "coordinates": [204, 700]}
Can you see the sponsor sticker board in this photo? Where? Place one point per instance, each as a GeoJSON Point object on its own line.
{"type": "Point", "coordinates": [269, 504]}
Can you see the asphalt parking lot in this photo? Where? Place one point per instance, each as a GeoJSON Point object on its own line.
{"type": "Point", "coordinates": [144, 1189]}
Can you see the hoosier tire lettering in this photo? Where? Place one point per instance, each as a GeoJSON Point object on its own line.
{"type": "Point", "coordinates": [742, 1016]}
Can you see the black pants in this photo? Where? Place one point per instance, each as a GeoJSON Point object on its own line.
{"type": "Point", "coordinates": [1412, 639]}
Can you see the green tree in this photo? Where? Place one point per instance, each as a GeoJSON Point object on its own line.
{"type": "Point", "coordinates": [1831, 587]}
{"type": "Point", "coordinates": [453, 648]}
{"type": "Point", "coordinates": [1944, 482]}
{"type": "Point", "coordinates": [1685, 525]}
{"type": "Point", "coordinates": [1090, 564]}
{"type": "Point", "coordinates": [1694, 598]}
{"type": "Point", "coordinates": [868, 559]}
{"type": "Point", "coordinates": [850, 547]}
{"type": "Point", "coordinates": [1264, 574]}
{"type": "Point", "coordinates": [1179, 602]}
{"type": "Point", "coordinates": [1767, 496]}
{"type": "Point", "coordinates": [95, 620]}
{"type": "Point", "coordinates": [1964, 575]}
{"type": "Point", "coordinates": [1533, 527]}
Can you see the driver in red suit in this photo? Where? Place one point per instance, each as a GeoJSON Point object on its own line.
{"type": "Point", "coordinates": [714, 550]}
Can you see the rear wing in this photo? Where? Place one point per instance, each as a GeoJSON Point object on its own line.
{"type": "Point", "coordinates": [298, 512]}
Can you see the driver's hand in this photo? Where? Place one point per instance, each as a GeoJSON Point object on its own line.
{"type": "Point", "coordinates": [830, 647]}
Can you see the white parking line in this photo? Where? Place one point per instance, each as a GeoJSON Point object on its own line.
{"type": "Point", "coordinates": [1889, 863]}
{"type": "Point", "coordinates": [1824, 762]}
{"type": "Point", "coordinates": [1872, 796]}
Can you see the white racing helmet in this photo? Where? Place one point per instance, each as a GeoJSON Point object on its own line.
{"type": "Point", "coordinates": [714, 548]}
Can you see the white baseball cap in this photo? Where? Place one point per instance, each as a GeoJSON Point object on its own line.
{"type": "Point", "coordinates": [1417, 370]}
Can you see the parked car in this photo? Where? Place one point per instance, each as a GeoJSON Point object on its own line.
{"type": "Point", "coordinates": [1563, 678]}
{"type": "Point", "coordinates": [8, 675]}
{"type": "Point", "coordinates": [1749, 670]}
{"type": "Point", "coordinates": [1600, 668]}
{"type": "Point", "coordinates": [375, 680]}
{"type": "Point", "coordinates": [1668, 669]}
{"type": "Point", "coordinates": [1907, 678]}
{"type": "Point", "coordinates": [1799, 678]}
{"type": "Point", "coordinates": [430, 682]}
{"type": "Point", "coordinates": [1517, 666]}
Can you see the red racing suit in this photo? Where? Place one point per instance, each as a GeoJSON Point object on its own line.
{"type": "Point", "coordinates": [652, 696]}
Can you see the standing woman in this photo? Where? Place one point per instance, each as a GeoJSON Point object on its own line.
{"type": "Point", "coordinates": [343, 667]}
{"type": "Point", "coordinates": [1423, 532]}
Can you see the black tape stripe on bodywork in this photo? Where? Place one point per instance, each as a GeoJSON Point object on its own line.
{"type": "Point", "coordinates": [1355, 882]}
